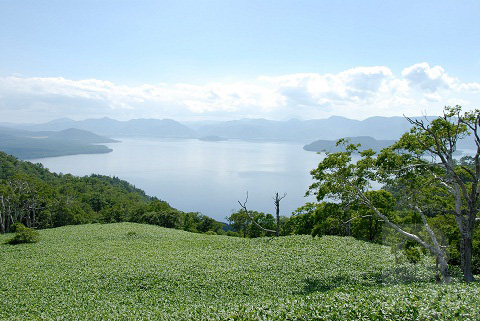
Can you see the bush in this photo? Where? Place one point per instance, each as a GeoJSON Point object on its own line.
{"type": "Point", "coordinates": [413, 254]}
{"type": "Point", "coordinates": [132, 234]}
{"type": "Point", "coordinates": [24, 235]}
{"type": "Point", "coordinates": [13, 227]}
{"type": "Point", "coordinates": [210, 233]}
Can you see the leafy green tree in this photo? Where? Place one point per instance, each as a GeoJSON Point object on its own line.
{"type": "Point", "coordinates": [209, 224]}
{"type": "Point", "coordinates": [422, 167]}
{"type": "Point", "coordinates": [337, 177]}
{"type": "Point", "coordinates": [240, 222]}
{"type": "Point", "coordinates": [438, 139]}
{"type": "Point", "coordinates": [328, 220]}
{"type": "Point", "coordinates": [301, 221]}
{"type": "Point", "coordinates": [191, 222]}
{"type": "Point", "coordinates": [266, 224]}
{"type": "Point", "coordinates": [364, 223]}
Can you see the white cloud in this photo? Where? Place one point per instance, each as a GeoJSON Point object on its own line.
{"type": "Point", "coordinates": [357, 93]}
{"type": "Point", "coordinates": [428, 79]}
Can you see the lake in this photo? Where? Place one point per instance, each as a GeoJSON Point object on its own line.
{"type": "Point", "coordinates": [203, 176]}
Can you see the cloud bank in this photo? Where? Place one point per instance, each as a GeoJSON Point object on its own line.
{"type": "Point", "coordinates": [355, 93]}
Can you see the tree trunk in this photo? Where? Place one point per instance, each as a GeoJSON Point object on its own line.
{"type": "Point", "coordinates": [277, 212]}
{"type": "Point", "coordinates": [2, 216]}
{"type": "Point", "coordinates": [277, 200]}
{"type": "Point", "coordinates": [444, 268]}
{"type": "Point", "coordinates": [466, 257]}
{"type": "Point", "coordinates": [466, 227]}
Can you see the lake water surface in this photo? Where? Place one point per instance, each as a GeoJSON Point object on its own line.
{"type": "Point", "coordinates": [202, 176]}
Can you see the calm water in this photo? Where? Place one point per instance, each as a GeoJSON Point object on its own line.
{"type": "Point", "coordinates": [208, 177]}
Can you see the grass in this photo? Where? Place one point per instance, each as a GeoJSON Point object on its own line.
{"type": "Point", "coordinates": [131, 271]}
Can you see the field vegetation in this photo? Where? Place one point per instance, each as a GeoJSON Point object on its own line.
{"type": "Point", "coordinates": [368, 255]}
{"type": "Point", "coordinates": [128, 271]}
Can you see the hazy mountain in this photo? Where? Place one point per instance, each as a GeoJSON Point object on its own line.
{"type": "Point", "coordinates": [31, 144]}
{"type": "Point", "coordinates": [334, 127]}
{"type": "Point", "coordinates": [77, 135]}
{"type": "Point", "coordinates": [114, 128]}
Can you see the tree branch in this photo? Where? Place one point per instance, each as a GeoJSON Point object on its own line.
{"type": "Point", "coordinates": [244, 206]}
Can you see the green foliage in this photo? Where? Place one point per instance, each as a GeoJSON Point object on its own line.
{"type": "Point", "coordinates": [232, 233]}
{"type": "Point", "coordinates": [242, 224]}
{"type": "Point", "coordinates": [14, 227]}
{"type": "Point", "coordinates": [301, 221]}
{"type": "Point", "coordinates": [419, 174]}
{"type": "Point", "coordinates": [132, 234]}
{"type": "Point", "coordinates": [328, 219]}
{"type": "Point", "coordinates": [37, 198]}
{"type": "Point", "coordinates": [167, 274]}
{"type": "Point", "coordinates": [24, 235]}
{"type": "Point", "coordinates": [265, 220]}
{"type": "Point", "coordinates": [413, 254]}
{"type": "Point", "coordinates": [239, 221]}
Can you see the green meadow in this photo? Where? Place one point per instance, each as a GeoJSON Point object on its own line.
{"type": "Point", "coordinates": [128, 271]}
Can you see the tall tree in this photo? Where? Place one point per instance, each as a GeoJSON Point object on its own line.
{"type": "Point", "coordinates": [422, 164]}
{"type": "Point", "coordinates": [438, 139]}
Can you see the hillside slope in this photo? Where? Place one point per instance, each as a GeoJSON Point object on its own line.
{"type": "Point", "coordinates": [111, 127]}
{"type": "Point", "coordinates": [130, 271]}
{"type": "Point", "coordinates": [31, 144]}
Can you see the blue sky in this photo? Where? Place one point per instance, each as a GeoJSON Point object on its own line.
{"type": "Point", "coordinates": [232, 59]}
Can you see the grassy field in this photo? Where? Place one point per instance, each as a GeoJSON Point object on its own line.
{"type": "Point", "coordinates": [131, 271]}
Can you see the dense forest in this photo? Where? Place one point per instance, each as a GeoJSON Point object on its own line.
{"type": "Point", "coordinates": [32, 195]}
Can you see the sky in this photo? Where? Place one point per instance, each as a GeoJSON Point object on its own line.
{"type": "Point", "coordinates": [222, 60]}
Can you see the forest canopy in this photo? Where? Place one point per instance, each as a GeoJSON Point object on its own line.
{"type": "Point", "coordinates": [32, 195]}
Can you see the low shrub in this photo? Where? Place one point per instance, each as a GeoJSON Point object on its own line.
{"type": "Point", "coordinates": [24, 235]}
{"type": "Point", "coordinates": [413, 254]}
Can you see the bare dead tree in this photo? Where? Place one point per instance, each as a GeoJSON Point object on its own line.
{"type": "Point", "coordinates": [244, 206]}
{"type": "Point", "coordinates": [277, 200]}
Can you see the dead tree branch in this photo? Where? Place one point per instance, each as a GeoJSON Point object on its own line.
{"type": "Point", "coordinates": [244, 206]}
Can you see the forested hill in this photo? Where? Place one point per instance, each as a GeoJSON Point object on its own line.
{"type": "Point", "coordinates": [27, 144]}
{"type": "Point", "coordinates": [32, 195]}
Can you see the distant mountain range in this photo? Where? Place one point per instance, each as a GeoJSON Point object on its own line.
{"type": "Point", "coordinates": [334, 127]}
{"type": "Point", "coordinates": [307, 130]}
{"type": "Point", "coordinates": [383, 130]}
{"type": "Point", "coordinates": [114, 128]}
{"type": "Point", "coordinates": [26, 144]}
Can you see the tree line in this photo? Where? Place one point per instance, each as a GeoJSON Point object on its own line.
{"type": "Point", "coordinates": [30, 194]}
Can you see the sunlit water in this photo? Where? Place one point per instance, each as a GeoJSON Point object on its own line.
{"type": "Point", "coordinates": [208, 177]}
